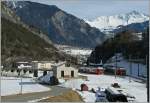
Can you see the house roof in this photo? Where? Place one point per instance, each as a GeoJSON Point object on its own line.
{"type": "Point", "coordinates": [42, 61]}
{"type": "Point", "coordinates": [59, 64]}
{"type": "Point", "coordinates": [22, 62]}
{"type": "Point", "coordinates": [64, 67]}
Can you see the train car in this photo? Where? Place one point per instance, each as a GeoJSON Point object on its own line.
{"type": "Point", "coordinates": [92, 70]}
{"type": "Point", "coordinates": [112, 69]}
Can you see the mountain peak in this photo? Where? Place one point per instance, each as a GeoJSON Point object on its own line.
{"type": "Point", "coordinates": [105, 22]}
{"type": "Point", "coordinates": [135, 12]}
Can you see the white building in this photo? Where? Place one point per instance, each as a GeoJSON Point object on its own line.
{"type": "Point", "coordinates": [21, 65]}
{"type": "Point", "coordinates": [137, 36]}
{"type": "Point", "coordinates": [42, 64]}
{"type": "Point", "coordinates": [61, 70]}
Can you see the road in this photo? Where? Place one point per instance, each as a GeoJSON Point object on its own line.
{"type": "Point", "coordinates": [55, 90]}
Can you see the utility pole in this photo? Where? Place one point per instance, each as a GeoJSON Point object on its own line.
{"type": "Point", "coordinates": [130, 67]}
{"type": "Point", "coordinates": [95, 57]}
{"type": "Point", "coordinates": [147, 82]}
{"type": "Point", "coordinates": [138, 64]}
{"type": "Point", "coordinates": [21, 82]}
{"type": "Point", "coordinates": [138, 69]}
{"type": "Point", "coordinates": [116, 66]}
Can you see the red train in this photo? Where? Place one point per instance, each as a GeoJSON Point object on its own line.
{"type": "Point", "coordinates": [92, 70]}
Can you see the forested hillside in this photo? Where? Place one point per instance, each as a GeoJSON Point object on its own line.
{"type": "Point", "coordinates": [125, 43]}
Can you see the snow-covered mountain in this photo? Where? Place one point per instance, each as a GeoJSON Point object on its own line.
{"type": "Point", "coordinates": [108, 23]}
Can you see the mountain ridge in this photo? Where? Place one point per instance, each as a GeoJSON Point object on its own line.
{"type": "Point", "coordinates": [8, 14]}
{"type": "Point", "coordinates": [21, 42]}
{"type": "Point", "coordinates": [61, 27]}
{"type": "Point", "coordinates": [111, 22]}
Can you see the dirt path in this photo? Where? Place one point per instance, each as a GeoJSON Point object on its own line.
{"type": "Point", "coordinates": [68, 96]}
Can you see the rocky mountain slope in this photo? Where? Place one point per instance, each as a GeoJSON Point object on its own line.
{"type": "Point", "coordinates": [8, 14]}
{"type": "Point", "coordinates": [60, 27]}
{"type": "Point", "coordinates": [19, 42]}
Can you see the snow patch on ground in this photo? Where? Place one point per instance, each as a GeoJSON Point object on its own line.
{"type": "Point", "coordinates": [37, 100]}
{"type": "Point", "coordinates": [12, 85]}
{"type": "Point", "coordinates": [73, 83]}
{"type": "Point", "coordinates": [87, 96]}
{"type": "Point", "coordinates": [61, 81]}
{"type": "Point", "coordinates": [134, 88]}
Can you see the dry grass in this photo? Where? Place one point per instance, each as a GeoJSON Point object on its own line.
{"type": "Point", "coordinates": [71, 96]}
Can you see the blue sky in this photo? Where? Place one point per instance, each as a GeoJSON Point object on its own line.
{"type": "Point", "coordinates": [90, 9]}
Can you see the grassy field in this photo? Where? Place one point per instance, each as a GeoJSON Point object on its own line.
{"type": "Point", "coordinates": [71, 96]}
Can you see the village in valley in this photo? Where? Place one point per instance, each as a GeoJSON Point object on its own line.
{"type": "Point", "coordinates": [51, 53]}
{"type": "Point", "coordinates": [93, 83]}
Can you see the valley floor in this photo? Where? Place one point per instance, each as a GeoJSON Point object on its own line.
{"type": "Point", "coordinates": [10, 88]}
{"type": "Point", "coordinates": [135, 88]}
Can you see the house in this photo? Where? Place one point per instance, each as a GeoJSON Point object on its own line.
{"type": "Point", "coordinates": [14, 73]}
{"type": "Point", "coordinates": [138, 36]}
{"type": "Point", "coordinates": [42, 64]}
{"type": "Point", "coordinates": [21, 65]}
{"type": "Point", "coordinates": [62, 70]}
